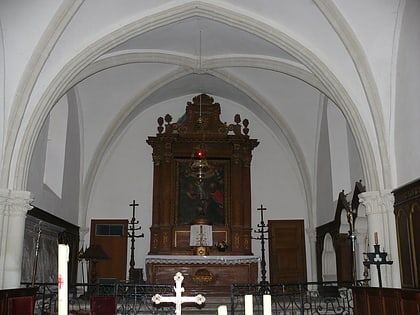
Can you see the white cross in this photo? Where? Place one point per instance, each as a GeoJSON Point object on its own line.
{"type": "Point", "coordinates": [178, 299]}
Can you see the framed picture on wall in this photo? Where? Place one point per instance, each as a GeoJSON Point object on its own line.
{"type": "Point", "coordinates": [207, 197]}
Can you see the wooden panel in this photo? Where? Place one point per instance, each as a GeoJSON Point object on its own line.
{"type": "Point", "coordinates": [404, 241]}
{"type": "Point", "coordinates": [409, 302]}
{"type": "Point", "coordinates": [415, 244]}
{"type": "Point", "coordinates": [115, 246]}
{"type": "Point", "coordinates": [342, 245]}
{"type": "Point", "coordinates": [209, 279]}
{"type": "Point", "coordinates": [386, 301]}
{"type": "Point", "coordinates": [360, 301]}
{"type": "Point", "coordinates": [391, 302]}
{"type": "Point", "coordinates": [17, 301]}
{"type": "Point", "coordinates": [287, 251]}
{"type": "Point", "coordinates": [407, 217]}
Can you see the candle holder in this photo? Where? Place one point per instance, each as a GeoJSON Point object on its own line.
{"type": "Point", "coordinates": [132, 229]}
{"type": "Point", "coordinates": [377, 258]}
{"type": "Point", "coordinates": [262, 231]}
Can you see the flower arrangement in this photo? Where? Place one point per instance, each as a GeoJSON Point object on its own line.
{"type": "Point", "coordinates": [221, 246]}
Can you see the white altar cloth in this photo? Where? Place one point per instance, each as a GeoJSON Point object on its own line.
{"type": "Point", "coordinates": [192, 259]}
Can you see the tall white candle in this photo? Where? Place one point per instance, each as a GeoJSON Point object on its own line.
{"type": "Point", "coordinates": [267, 304]}
{"type": "Point", "coordinates": [249, 308]}
{"type": "Point", "coordinates": [62, 281]}
{"type": "Point", "coordinates": [222, 310]}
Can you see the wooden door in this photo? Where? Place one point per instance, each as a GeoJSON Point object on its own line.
{"type": "Point", "coordinates": [287, 251]}
{"type": "Point", "coordinates": [111, 235]}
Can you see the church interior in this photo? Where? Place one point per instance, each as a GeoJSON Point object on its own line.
{"type": "Point", "coordinates": [237, 142]}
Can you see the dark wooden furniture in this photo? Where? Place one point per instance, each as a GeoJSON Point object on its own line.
{"type": "Point", "coordinates": [385, 301]}
{"type": "Point", "coordinates": [341, 241]}
{"type": "Point", "coordinates": [53, 230]}
{"type": "Point", "coordinates": [221, 194]}
{"type": "Point", "coordinates": [211, 275]}
{"type": "Point", "coordinates": [20, 301]}
{"type": "Point", "coordinates": [111, 235]}
{"type": "Point", "coordinates": [287, 251]}
{"type": "Point", "coordinates": [407, 217]}
{"type": "Point", "coordinates": [227, 149]}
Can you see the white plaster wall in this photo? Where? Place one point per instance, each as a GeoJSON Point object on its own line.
{"type": "Point", "coordinates": [65, 206]}
{"type": "Point", "coordinates": [3, 120]}
{"type": "Point", "coordinates": [339, 154]}
{"type": "Point", "coordinates": [375, 29]}
{"type": "Point", "coordinates": [323, 181]}
{"type": "Point", "coordinates": [113, 91]}
{"type": "Point", "coordinates": [22, 19]}
{"type": "Point", "coordinates": [407, 108]}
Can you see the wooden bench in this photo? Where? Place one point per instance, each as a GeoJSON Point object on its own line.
{"type": "Point", "coordinates": [19, 301]}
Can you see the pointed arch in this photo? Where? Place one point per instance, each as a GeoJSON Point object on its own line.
{"type": "Point", "coordinates": [61, 83]}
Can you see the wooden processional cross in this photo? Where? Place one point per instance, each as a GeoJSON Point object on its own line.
{"type": "Point", "coordinates": [178, 299]}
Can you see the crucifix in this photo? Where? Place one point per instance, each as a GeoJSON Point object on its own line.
{"type": "Point", "coordinates": [132, 234]}
{"type": "Point", "coordinates": [178, 299]}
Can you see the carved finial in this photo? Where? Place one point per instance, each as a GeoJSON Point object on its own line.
{"type": "Point", "coordinates": [168, 118]}
{"type": "Point", "coordinates": [160, 122]}
{"type": "Point", "coordinates": [245, 123]}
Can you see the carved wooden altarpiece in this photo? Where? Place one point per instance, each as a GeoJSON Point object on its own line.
{"type": "Point", "coordinates": [228, 150]}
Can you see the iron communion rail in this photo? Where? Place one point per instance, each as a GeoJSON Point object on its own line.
{"type": "Point", "coordinates": [310, 298]}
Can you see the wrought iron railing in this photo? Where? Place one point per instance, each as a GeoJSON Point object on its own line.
{"type": "Point", "coordinates": [129, 298]}
{"type": "Point", "coordinates": [310, 298]}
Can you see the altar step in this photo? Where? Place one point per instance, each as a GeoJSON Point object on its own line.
{"type": "Point", "coordinates": [210, 307]}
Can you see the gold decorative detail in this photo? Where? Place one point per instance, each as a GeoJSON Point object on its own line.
{"type": "Point", "coordinates": [165, 239]}
{"type": "Point", "coordinates": [201, 250]}
{"type": "Point", "coordinates": [203, 276]}
{"type": "Point", "coordinates": [155, 240]}
{"type": "Point", "coordinates": [236, 238]}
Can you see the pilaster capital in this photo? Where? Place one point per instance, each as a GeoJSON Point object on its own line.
{"type": "Point", "coordinates": [377, 202]}
{"type": "Point", "coordinates": [15, 202]}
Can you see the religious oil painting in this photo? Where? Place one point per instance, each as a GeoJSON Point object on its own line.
{"type": "Point", "coordinates": [202, 197]}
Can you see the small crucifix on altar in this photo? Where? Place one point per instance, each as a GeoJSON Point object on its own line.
{"type": "Point", "coordinates": [178, 299]}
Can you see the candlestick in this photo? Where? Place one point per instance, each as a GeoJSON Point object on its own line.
{"type": "Point", "coordinates": [377, 258]}
{"type": "Point", "coordinates": [249, 309]}
{"type": "Point", "coordinates": [222, 310]}
{"type": "Point", "coordinates": [267, 304]}
{"type": "Point", "coordinates": [263, 231]}
{"type": "Point", "coordinates": [62, 281]}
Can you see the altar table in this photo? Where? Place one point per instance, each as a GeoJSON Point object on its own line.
{"type": "Point", "coordinates": [208, 275]}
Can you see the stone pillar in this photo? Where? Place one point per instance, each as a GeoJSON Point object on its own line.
{"type": "Point", "coordinates": [311, 233]}
{"type": "Point", "coordinates": [4, 194]}
{"type": "Point", "coordinates": [13, 208]}
{"type": "Point", "coordinates": [380, 219]}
